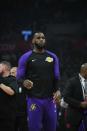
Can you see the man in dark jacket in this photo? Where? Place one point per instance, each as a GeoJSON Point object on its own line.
{"type": "Point", "coordinates": [74, 94]}
{"type": "Point", "coordinates": [8, 89]}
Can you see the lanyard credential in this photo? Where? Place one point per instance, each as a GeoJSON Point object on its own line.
{"type": "Point", "coordinates": [84, 88]}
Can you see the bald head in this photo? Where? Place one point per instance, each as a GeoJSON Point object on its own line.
{"type": "Point", "coordinates": [38, 33]}
{"type": "Point", "coordinates": [83, 70]}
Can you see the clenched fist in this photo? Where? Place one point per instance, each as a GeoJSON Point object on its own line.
{"type": "Point", "coordinates": [57, 96]}
{"type": "Point", "coordinates": [28, 84]}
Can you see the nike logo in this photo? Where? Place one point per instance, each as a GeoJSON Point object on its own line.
{"type": "Point", "coordinates": [33, 60]}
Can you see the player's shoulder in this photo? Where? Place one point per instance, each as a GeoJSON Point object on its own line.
{"type": "Point", "coordinates": [52, 54]}
{"type": "Point", "coordinates": [74, 79]}
{"type": "Point", "coordinates": [25, 56]}
{"type": "Point", "coordinates": [27, 53]}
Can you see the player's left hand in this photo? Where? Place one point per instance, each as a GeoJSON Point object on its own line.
{"type": "Point", "coordinates": [57, 96]}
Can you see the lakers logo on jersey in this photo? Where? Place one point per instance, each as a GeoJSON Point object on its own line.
{"type": "Point", "coordinates": [33, 107]}
{"type": "Point", "coordinates": [49, 59]}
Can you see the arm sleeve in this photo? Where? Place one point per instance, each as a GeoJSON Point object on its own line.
{"type": "Point", "coordinates": [22, 67]}
{"type": "Point", "coordinates": [56, 73]}
{"type": "Point", "coordinates": [68, 95]}
{"type": "Point", "coordinates": [13, 84]}
{"type": "Point", "coordinates": [56, 70]}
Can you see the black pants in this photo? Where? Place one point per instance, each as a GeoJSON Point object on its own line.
{"type": "Point", "coordinates": [7, 124]}
{"type": "Point", "coordinates": [21, 115]}
{"type": "Point", "coordinates": [61, 119]}
{"type": "Point", "coordinates": [72, 127]}
{"type": "Point", "coordinates": [21, 122]}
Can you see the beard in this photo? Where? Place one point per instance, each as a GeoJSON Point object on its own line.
{"type": "Point", "coordinates": [39, 46]}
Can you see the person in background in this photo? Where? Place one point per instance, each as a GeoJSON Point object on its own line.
{"type": "Point", "coordinates": [74, 95]}
{"type": "Point", "coordinates": [13, 71]}
{"type": "Point", "coordinates": [21, 119]}
{"type": "Point", "coordinates": [8, 90]}
{"type": "Point", "coordinates": [38, 71]}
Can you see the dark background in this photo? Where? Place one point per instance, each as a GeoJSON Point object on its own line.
{"type": "Point", "coordinates": [63, 21]}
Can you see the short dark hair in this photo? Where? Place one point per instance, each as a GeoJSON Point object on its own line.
{"type": "Point", "coordinates": [8, 64]}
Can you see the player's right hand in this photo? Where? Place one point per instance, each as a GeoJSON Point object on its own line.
{"type": "Point", "coordinates": [28, 84]}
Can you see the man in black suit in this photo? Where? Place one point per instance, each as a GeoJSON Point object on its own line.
{"type": "Point", "coordinates": [74, 95]}
{"type": "Point", "coordinates": [8, 91]}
